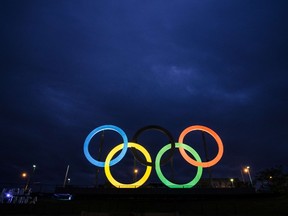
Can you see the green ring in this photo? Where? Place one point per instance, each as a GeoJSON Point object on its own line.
{"type": "Point", "coordinates": [165, 180]}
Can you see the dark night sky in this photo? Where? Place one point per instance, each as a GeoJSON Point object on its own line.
{"type": "Point", "coordinates": [68, 67]}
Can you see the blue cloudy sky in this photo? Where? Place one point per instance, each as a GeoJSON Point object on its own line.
{"type": "Point", "coordinates": [68, 67]}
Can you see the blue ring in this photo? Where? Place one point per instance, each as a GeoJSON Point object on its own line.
{"type": "Point", "coordinates": [95, 131]}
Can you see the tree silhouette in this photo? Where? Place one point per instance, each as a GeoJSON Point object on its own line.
{"type": "Point", "coordinates": [273, 180]}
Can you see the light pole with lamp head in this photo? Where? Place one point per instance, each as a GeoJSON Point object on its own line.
{"type": "Point", "coordinates": [232, 182]}
{"type": "Point", "coordinates": [135, 174]}
{"type": "Point", "coordinates": [247, 170]}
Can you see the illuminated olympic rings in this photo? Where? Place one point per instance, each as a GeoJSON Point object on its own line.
{"type": "Point", "coordinates": [102, 128]}
{"type": "Point", "coordinates": [213, 134]}
{"type": "Point", "coordinates": [162, 130]}
{"type": "Point", "coordinates": [169, 183]}
{"type": "Point", "coordinates": [148, 161]}
{"type": "Point", "coordinates": [140, 181]}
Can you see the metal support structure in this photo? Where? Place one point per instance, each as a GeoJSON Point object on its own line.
{"type": "Point", "coordinates": [99, 157]}
{"type": "Point", "coordinates": [207, 158]}
{"type": "Point", "coordinates": [66, 176]}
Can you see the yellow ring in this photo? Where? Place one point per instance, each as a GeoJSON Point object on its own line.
{"type": "Point", "coordinates": [135, 184]}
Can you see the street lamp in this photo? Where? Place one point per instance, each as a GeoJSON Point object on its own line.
{"type": "Point", "coordinates": [247, 170]}
{"type": "Point", "coordinates": [135, 174]}
{"type": "Point", "coordinates": [24, 175]}
{"type": "Point", "coordinates": [232, 182]}
{"type": "Point", "coordinates": [33, 171]}
{"type": "Point", "coordinates": [30, 177]}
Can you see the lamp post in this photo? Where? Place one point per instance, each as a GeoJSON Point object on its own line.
{"type": "Point", "coordinates": [34, 167]}
{"type": "Point", "coordinates": [29, 177]}
{"type": "Point", "coordinates": [25, 175]}
{"type": "Point", "coordinates": [33, 171]}
{"type": "Point", "coordinates": [66, 176]}
{"type": "Point", "coordinates": [247, 170]}
{"type": "Point", "coordinates": [232, 182]}
{"type": "Point", "coordinates": [135, 174]}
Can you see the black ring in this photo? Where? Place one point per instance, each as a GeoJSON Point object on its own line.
{"type": "Point", "coordinates": [158, 128]}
